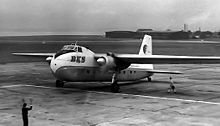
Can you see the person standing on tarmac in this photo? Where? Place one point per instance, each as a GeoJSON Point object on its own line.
{"type": "Point", "coordinates": [25, 110]}
{"type": "Point", "coordinates": [172, 87]}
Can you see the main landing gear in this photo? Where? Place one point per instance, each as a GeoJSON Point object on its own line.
{"type": "Point", "coordinates": [59, 83]}
{"type": "Point", "coordinates": [114, 85]}
{"type": "Point", "coordinates": [149, 79]}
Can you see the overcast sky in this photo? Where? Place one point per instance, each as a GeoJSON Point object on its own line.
{"type": "Point", "coordinates": [98, 16]}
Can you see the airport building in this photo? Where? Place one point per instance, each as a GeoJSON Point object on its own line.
{"type": "Point", "coordinates": [155, 34]}
{"type": "Point", "coordinates": [120, 34]}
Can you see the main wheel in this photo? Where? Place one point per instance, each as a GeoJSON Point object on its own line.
{"type": "Point", "coordinates": [115, 87]}
{"type": "Point", "coordinates": [59, 83]}
{"type": "Point", "coordinates": [149, 79]}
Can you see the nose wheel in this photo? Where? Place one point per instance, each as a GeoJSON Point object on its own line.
{"type": "Point", "coordinates": [114, 85]}
{"type": "Point", "coordinates": [59, 83]}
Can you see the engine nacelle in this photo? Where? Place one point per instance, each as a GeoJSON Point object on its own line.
{"type": "Point", "coordinates": [107, 63]}
{"type": "Point", "coordinates": [48, 59]}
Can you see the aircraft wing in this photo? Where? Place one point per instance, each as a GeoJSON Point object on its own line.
{"type": "Point", "coordinates": [34, 54]}
{"type": "Point", "coordinates": [166, 59]}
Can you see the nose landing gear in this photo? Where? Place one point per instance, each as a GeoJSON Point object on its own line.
{"type": "Point", "coordinates": [149, 79]}
{"type": "Point", "coordinates": [59, 83]}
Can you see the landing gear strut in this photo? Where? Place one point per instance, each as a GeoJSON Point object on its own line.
{"type": "Point", "coordinates": [59, 83]}
{"type": "Point", "coordinates": [114, 85]}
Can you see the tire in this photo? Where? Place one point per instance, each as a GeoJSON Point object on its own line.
{"type": "Point", "coordinates": [115, 87]}
{"type": "Point", "coordinates": [59, 83]}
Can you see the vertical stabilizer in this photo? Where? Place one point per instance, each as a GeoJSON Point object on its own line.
{"type": "Point", "coordinates": [146, 49]}
{"type": "Point", "coordinates": [146, 46]}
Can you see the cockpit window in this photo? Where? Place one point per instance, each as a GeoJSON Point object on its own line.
{"type": "Point", "coordinates": [67, 49]}
{"type": "Point", "coordinates": [79, 49]}
{"type": "Point", "coordinates": [73, 48]}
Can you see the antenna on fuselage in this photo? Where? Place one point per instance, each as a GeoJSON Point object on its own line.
{"type": "Point", "coordinates": [73, 46]}
{"type": "Point", "coordinates": [75, 43]}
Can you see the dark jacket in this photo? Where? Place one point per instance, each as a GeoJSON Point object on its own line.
{"type": "Point", "coordinates": [25, 110]}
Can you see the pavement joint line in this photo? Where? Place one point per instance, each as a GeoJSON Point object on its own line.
{"type": "Point", "coordinates": [161, 98]}
{"type": "Point", "coordinates": [9, 86]}
{"type": "Point", "coordinates": [119, 94]}
{"type": "Point", "coordinates": [26, 85]}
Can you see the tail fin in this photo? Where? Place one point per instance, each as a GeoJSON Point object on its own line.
{"type": "Point", "coordinates": [146, 46]}
{"type": "Point", "coordinates": [146, 49]}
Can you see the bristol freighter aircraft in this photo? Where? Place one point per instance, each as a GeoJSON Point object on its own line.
{"type": "Point", "coordinates": [74, 63]}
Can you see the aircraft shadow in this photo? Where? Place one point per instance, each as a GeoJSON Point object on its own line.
{"type": "Point", "coordinates": [105, 86]}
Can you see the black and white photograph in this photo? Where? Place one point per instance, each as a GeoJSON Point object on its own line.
{"type": "Point", "coordinates": [109, 62]}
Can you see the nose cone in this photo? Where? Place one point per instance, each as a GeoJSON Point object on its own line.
{"type": "Point", "coordinates": [66, 74]}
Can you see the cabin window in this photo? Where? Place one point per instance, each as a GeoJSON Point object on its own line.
{"type": "Point", "coordinates": [134, 71]}
{"type": "Point", "coordinates": [124, 72]}
{"type": "Point", "coordinates": [130, 72]}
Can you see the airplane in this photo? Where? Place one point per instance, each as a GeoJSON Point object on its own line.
{"type": "Point", "coordinates": [74, 63]}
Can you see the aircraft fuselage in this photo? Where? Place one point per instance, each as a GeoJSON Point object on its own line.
{"type": "Point", "coordinates": [82, 66]}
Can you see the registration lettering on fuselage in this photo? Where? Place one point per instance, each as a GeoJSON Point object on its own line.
{"type": "Point", "coordinates": [78, 59]}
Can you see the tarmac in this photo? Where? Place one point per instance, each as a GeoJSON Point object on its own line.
{"type": "Point", "coordinates": [142, 103]}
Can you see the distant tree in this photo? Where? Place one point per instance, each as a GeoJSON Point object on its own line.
{"type": "Point", "coordinates": [197, 32]}
{"type": "Point", "coordinates": [206, 34]}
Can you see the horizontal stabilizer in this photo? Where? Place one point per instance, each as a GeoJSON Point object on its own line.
{"type": "Point", "coordinates": [151, 70]}
{"type": "Point", "coordinates": [164, 72]}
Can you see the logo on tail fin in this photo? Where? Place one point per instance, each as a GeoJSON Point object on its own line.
{"type": "Point", "coordinates": [145, 49]}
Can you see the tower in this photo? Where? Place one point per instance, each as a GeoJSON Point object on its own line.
{"type": "Point", "coordinates": [185, 27]}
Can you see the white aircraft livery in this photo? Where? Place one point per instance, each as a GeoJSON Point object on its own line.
{"type": "Point", "coordinates": [74, 63]}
